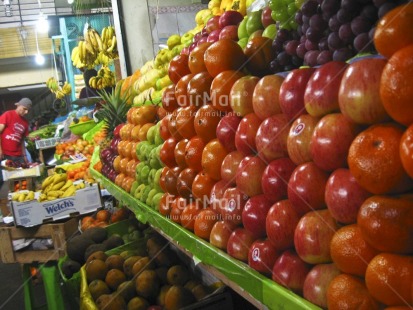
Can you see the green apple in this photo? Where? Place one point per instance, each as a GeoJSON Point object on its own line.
{"type": "Point", "coordinates": [138, 169]}
{"type": "Point", "coordinates": [186, 39]}
{"type": "Point", "coordinates": [135, 185]}
{"type": "Point", "coordinates": [156, 200]}
{"type": "Point", "coordinates": [138, 192]}
{"type": "Point", "coordinates": [157, 179]}
{"type": "Point", "coordinates": [173, 40]}
{"type": "Point", "coordinates": [270, 31]}
{"type": "Point", "coordinates": [151, 194]}
{"type": "Point", "coordinates": [243, 42]}
{"type": "Point", "coordinates": [242, 28]}
{"type": "Point", "coordinates": [177, 49]}
{"type": "Point", "coordinates": [143, 176]}
{"type": "Point", "coordinates": [158, 138]}
{"type": "Point", "coordinates": [150, 135]}
{"type": "Point", "coordinates": [145, 193]}
{"type": "Point", "coordinates": [151, 176]}
{"type": "Point", "coordinates": [254, 22]}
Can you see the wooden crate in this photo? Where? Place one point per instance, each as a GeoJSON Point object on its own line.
{"type": "Point", "coordinates": [59, 233]}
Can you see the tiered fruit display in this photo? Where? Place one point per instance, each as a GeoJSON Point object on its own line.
{"type": "Point", "coordinates": [305, 176]}
{"type": "Point", "coordinates": [296, 168]}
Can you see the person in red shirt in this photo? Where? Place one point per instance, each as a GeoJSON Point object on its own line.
{"type": "Point", "coordinates": [13, 129]}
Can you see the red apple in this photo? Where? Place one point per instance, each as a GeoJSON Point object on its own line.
{"type": "Point", "coordinates": [245, 134]}
{"type": "Point", "coordinates": [212, 24]}
{"type": "Point", "coordinates": [265, 100]}
{"type": "Point", "coordinates": [214, 36]}
{"type": "Point", "coordinates": [292, 92]}
{"type": "Point", "coordinates": [230, 18]}
{"type": "Point", "coordinates": [167, 151]}
{"type": "Point", "coordinates": [313, 235]}
{"type": "Point", "coordinates": [229, 32]}
{"type": "Point", "coordinates": [266, 18]}
{"type": "Point", "coordinates": [359, 94]}
{"type": "Point", "coordinates": [262, 256]}
{"type": "Point", "coordinates": [185, 51]}
{"type": "Point", "coordinates": [217, 192]}
{"type": "Point", "coordinates": [240, 96]}
{"type": "Point", "coordinates": [178, 67]}
{"type": "Point", "coordinates": [239, 243]}
{"type": "Point", "coordinates": [321, 93]}
{"type": "Point", "coordinates": [254, 215]}
{"type": "Point", "coordinates": [290, 271]}
{"type": "Point", "coordinates": [275, 178]}
{"type": "Point", "coordinates": [203, 39]}
{"type": "Point", "coordinates": [306, 188]}
{"type": "Point", "coordinates": [232, 204]}
{"type": "Point", "coordinates": [299, 138]}
{"type": "Point", "coordinates": [220, 233]}
{"type": "Point", "coordinates": [344, 196]}
{"type": "Point", "coordinates": [331, 141]}
{"type": "Point", "coordinates": [249, 175]}
{"type": "Point", "coordinates": [316, 283]}
{"type": "Point", "coordinates": [226, 130]}
{"type": "Point", "coordinates": [271, 138]}
{"type": "Point", "coordinates": [230, 165]}
{"type": "Point", "coordinates": [280, 225]}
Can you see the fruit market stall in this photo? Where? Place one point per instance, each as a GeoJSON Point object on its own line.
{"type": "Point", "coordinates": [274, 148]}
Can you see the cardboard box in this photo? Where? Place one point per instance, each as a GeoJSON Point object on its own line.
{"type": "Point", "coordinates": [20, 173]}
{"type": "Point", "coordinates": [32, 213]}
{"type": "Point", "coordinates": [58, 233]}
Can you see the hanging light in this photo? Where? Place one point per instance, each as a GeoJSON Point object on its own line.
{"type": "Point", "coordinates": [42, 23]}
{"type": "Point", "coordinates": [39, 58]}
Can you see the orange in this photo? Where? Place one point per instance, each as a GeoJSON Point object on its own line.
{"type": "Point", "coordinates": [185, 121]}
{"type": "Point", "coordinates": [350, 252]}
{"type": "Point", "coordinates": [196, 62]}
{"type": "Point", "coordinates": [396, 91]}
{"type": "Point", "coordinates": [391, 31]}
{"type": "Point", "coordinates": [389, 279]}
{"type": "Point", "coordinates": [198, 89]}
{"type": "Point", "coordinates": [103, 215]}
{"type": "Point", "coordinates": [212, 157]}
{"type": "Point", "coordinates": [189, 213]}
{"type": "Point", "coordinates": [123, 164]}
{"type": "Point", "coordinates": [193, 153]}
{"type": "Point", "coordinates": [221, 87]}
{"type": "Point", "coordinates": [406, 150]}
{"type": "Point", "coordinates": [206, 121]}
{"type": "Point", "coordinates": [181, 90]}
{"type": "Point", "coordinates": [349, 292]}
{"type": "Point", "coordinates": [385, 223]}
{"type": "Point", "coordinates": [223, 55]}
{"type": "Point", "coordinates": [204, 222]}
{"type": "Point", "coordinates": [134, 134]}
{"type": "Point", "coordinates": [202, 186]}
{"type": "Point", "coordinates": [374, 159]}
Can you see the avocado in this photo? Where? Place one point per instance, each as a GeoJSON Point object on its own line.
{"type": "Point", "coordinates": [76, 248]}
{"type": "Point", "coordinates": [97, 234]}
{"type": "Point", "coordinates": [113, 242]}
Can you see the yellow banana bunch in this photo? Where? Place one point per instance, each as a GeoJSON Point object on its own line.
{"type": "Point", "coordinates": [109, 42]}
{"type": "Point", "coordinates": [105, 78]}
{"type": "Point", "coordinates": [52, 84]}
{"type": "Point", "coordinates": [55, 88]}
{"type": "Point", "coordinates": [58, 186]}
{"type": "Point", "coordinates": [76, 58]}
{"type": "Point", "coordinates": [103, 59]}
{"type": "Point", "coordinates": [67, 88]}
{"type": "Point", "coordinates": [23, 196]}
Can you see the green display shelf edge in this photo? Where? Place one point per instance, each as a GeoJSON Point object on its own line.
{"type": "Point", "coordinates": [258, 286]}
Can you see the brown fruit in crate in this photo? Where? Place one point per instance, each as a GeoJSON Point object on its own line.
{"type": "Point", "coordinates": [160, 299]}
{"type": "Point", "coordinates": [138, 303]}
{"type": "Point", "coordinates": [97, 234]}
{"type": "Point", "coordinates": [178, 297]}
{"type": "Point", "coordinates": [158, 250]}
{"type": "Point", "coordinates": [128, 265]}
{"type": "Point", "coordinates": [97, 288]}
{"type": "Point", "coordinates": [177, 275]}
{"type": "Point", "coordinates": [96, 270]}
{"type": "Point", "coordinates": [200, 291]}
{"type": "Point", "coordinates": [115, 261]}
{"type": "Point", "coordinates": [110, 302]}
{"type": "Point", "coordinates": [145, 263]}
{"type": "Point", "coordinates": [127, 290]}
{"type": "Point", "coordinates": [114, 278]}
{"type": "Point", "coordinates": [96, 255]}
{"type": "Point", "coordinates": [147, 284]}
{"type": "Point", "coordinates": [93, 248]}
{"type": "Point", "coordinates": [77, 246]}
{"type": "Point", "coordinates": [190, 284]}
{"type": "Point", "coordinates": [113, 242]}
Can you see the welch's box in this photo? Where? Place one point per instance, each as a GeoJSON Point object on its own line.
{"type": "Point", "coordinates": [32, 213]}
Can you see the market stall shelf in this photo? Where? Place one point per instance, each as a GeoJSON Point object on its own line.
{"type": "Point", "coordinates": [256, 288]}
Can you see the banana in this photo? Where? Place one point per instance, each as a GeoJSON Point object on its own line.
{"type": "Point", "coordinates": [55, 193]}
{"type": "Point", "coordinates": [81, 51]}
{"type": "Point", "coordinates": [51, 197]}
{"type": "Point", "coordinates": [49, 180]}
{"type": "Point", "coordinates": [67, 88]}
{"type": "Point", "coordinates": [75, 53]}
{"type": "Point", "coordinates": [92, 39]}
{"type": "Point", "coordinates": [57, 186]}
{"type": "Point", "coordinates": [113, 45]}
{"type": "Point", "coordinates": [67, 185]}
{"type": "Point", "coordinates": [70, 191]}
{"type": "Point", "coordinates": [98, 40]}
{"type": "Point", "coordinates": [89, 48]}
{"type": "Point", "coordinates": [42, 197]}
{"type": "Point", "coordinates": [22, 197]}
{"type": "Point", "coordinates": [61, 177]}
{"type": "Point", "coordinates": [30, 196]}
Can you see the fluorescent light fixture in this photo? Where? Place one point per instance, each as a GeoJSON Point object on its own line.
{"type": "Point", "coordinates": [42, 23]}
{"type": "Point", "coordinates": [17, 88]}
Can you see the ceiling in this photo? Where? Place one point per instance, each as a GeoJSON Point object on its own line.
{"type": "Point", "coordinates": [20, 41]}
